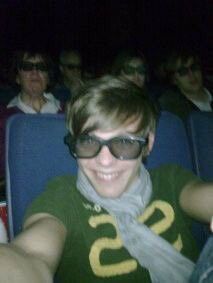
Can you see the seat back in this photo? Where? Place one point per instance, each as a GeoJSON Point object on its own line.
{"type": "Point", "coordinates": [200, 132]}
{"type": "Point", "coordinates": [171, 143]}
{"type": "Point", "coordinates": [35, 153]}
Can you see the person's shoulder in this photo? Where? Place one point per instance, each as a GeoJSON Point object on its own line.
{"type": "Point", "coordinates": [60, 106]}
{"type": "Point", "coordinates": [166, 167]}
{"type": "Point", "coordinates": [61, 92]}
{"type": "Point", "coordinates": [170, 93]}
{"type": "Point", "coordinates": [171, 170]}
{"type": "Point", "coordinates": [5, 112]}
{"type": "Point", "coordinates": [173, 175]}
{"type": "Point", "coordinates": [62, 187]}
{"type": "Point", "coordinates": [64, 180]}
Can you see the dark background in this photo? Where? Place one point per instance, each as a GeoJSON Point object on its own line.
{"type": "Point", "coordinates": [100, 28]}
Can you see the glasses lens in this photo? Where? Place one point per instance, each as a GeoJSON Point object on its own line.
{"type": "Point", "coordinates": [141, 70]}
{"type": "Point", "coordinates": [73, 66]}
{"type": "Point", "coordinates": [183, 71]}
{"type": "Point", "coordinates": [41, 67]}
{"type": "Point", "coordinates": [87, 146]}
{"type": "Point", "coordinates": [125, 148]}
{"type": "Point", "coordinates": [29, 66]}
{"type": "Point", "coordinates": [129, 70]}
{"type": "Point", "coordinates": [195, 67]}
{"type": "Point", "coordinates": [26, 66]}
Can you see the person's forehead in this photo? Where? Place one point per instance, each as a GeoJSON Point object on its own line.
{"type": "Point", "coordinates": [135, 62]}
{"type": "Point", "coordinates": [128, 126]}
{"type": "Point", "coordinates": [72, 59]}
{"type": "Point", "coordinates": [35, 58]}
{"type": "Point", "coordinates": [185, 63]}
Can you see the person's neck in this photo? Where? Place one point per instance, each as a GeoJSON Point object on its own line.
{"type": "Point", "coordinates": [72, 85]}
{"type": "Point", "coordinates": [68, 84]}
{"type": "Point", "coordinates": [199, 95]}
{"type": "Point", "coordinates": [36, 102]}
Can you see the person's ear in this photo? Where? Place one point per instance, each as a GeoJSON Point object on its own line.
{"type": "Point", "coordinates": [61, 68]}
{"type": "Point", "coordinates": [18, 79]}
{"type": "Point", "coordinates": [174, 80]}
{"type": "Point", "coordinates": [122, 74]}
{"type": "Point", "coordinates": [148, 148]}
{"type": "Point", "coordinates": [151, 140]}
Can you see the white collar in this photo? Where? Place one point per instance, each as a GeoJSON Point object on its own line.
{"type": "Point", "coordinates": [52, 105]}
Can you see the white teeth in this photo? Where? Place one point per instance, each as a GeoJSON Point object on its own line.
{"type": "Point", "coordinates": [107, 177]}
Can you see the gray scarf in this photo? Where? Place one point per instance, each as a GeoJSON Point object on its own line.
{"type": "Point", "coordinates": [164, 263]}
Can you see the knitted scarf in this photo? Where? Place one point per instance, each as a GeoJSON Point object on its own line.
{"type": "Point", "coordinates": [164, 262]}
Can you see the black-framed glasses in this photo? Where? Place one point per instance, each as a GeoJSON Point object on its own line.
{"type": "Point", "coordinates": [129, 70]}
{"type": "Point", "coordinates": [121, 147]}
{"type": "Point", "coordinates": [72, 66]}
{"type": "Point", "coordinates": [29, 66]}
{"type": "Point", "coordinates": [183, 71]}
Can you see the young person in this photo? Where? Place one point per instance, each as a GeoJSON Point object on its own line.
{"type": "Point", "coordinates": [115, 221]}
{"type": "Point", "coordinates": [132, 67]}
{"type": "Point", "coordinates": [70, 77]}
{"type": "Point", "coordinates": [189, 93]}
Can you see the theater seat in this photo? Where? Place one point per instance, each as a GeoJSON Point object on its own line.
{"type": "Point", "coordinates": [35, 153]}
{"type": "Point", "coordinates": [200, 132]}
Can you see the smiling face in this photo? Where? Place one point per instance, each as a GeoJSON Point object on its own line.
{"type": "Point", "coordinates": [109, 176]}
{"type": "Point", "coordinates": [32, 82]}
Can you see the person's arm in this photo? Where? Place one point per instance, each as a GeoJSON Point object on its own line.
{"type": "Point", "coordinates": [196, 199]}
{"type": "Point", "coordinates": [34, 254]}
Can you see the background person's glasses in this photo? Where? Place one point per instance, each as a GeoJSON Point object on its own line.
{"type": "Point", "coordinates": [29, 66]}
{"type": "Point", "coordinates": [183, 71]}
{"type": "Point", "coordinates": [121, 147]}
{"type": "Point", "coordinates": [129, 70]}
{"type": "Point", "coordinates": [72, 66]}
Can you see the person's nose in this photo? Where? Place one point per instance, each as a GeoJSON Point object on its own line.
{"type": "Point", "coordinates": [136, 74]}
{"type": "Point", "coordinates": [105, 157]}
{"type": "Point", "coordinates": [190, 72]}
{"type": "Point", "coordinates": [34, 70]}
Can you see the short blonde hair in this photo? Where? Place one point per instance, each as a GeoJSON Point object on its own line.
{"type": "Point", "coordinates": [108, 103]}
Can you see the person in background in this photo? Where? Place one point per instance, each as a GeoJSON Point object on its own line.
{"type": "Point", "coordinates": [70, 77]}
{"type": "Point", "coordinates": [33, 74]}
{"type": "Point", "coordinates": [132, 67]}
{"type": "Point", "coordinates": [115, 221]}
{"type": "Point", "coordinates": [183, 69]}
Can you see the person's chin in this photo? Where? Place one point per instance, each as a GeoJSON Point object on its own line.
{"type": "Point", "coordinates": [109, 193]}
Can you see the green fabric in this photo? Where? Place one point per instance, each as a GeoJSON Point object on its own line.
{"type": "Point", "coordinates": [93, 251]}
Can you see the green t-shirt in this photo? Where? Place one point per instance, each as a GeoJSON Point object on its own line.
{"type": "Point", "coordinates": [93, 250]}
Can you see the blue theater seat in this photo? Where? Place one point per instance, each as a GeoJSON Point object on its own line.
{"type": "Point", "coordinates": [200, 132]}
{"type": "Point", "coordinates": [35, 152]}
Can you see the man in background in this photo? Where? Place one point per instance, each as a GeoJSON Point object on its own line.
{"type": "Point", "coordinates": [188, 94]}
{"type": "Point", "coordinates": [70, 69]}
